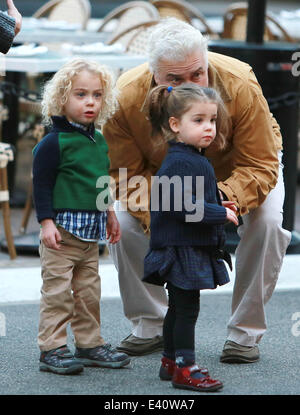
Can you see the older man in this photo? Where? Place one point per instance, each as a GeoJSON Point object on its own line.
{"type": "Point", "coordinates": [10, 25]}
{"type": "Point", "coordinates": [249, 172]}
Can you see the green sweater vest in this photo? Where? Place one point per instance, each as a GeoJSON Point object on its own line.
{"type": "Point", "coordinates": [82, 162]}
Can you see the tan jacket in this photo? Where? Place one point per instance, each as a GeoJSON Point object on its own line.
{"type": "Point", "coordinates": [246, 170]}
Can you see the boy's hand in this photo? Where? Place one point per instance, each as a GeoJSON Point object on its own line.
{"type": "Point", "coordinates": [113, 230]}
{"type": "Point", "coordinates": [50, 234]}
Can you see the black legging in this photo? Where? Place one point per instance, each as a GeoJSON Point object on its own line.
{"type": "Point", "coordinates": [180, 320]}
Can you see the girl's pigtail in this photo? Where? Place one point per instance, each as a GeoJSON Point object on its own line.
{"type": "Point", "coordinates": [157, 112]}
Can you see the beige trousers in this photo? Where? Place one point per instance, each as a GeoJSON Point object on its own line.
{"type": "Point", "coordinates": [259, 258]}
{"type": "Point", "coordinates": [70, 293]}
{"type": "Point", "coordinates": [145, 305]}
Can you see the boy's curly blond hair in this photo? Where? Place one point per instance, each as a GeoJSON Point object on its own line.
{"type": "Point", "coordinates": [56, 91]}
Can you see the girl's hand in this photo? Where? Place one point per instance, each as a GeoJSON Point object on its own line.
{"type": "Point", "coordinates": [113, 230]}
{"type": "Point", "coordinates": [50, 234]}
{"type": "Point", "coordinates": [231, 216]}
{"type": "Point", "coordinates": [230, 205]}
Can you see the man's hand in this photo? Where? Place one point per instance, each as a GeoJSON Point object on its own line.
{"type": "Point", "coordinates": [12, 11]}
{"type": "Point", "coordinates": [113, 230]}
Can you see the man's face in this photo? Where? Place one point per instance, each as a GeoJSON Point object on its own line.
{"type": "Point", "coordinates": [192, 69]}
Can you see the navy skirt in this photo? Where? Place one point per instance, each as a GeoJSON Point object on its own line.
{"type": "Point", "coordinates": [186, 267]}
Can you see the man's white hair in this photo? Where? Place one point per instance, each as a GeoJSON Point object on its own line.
{"type": "Point", "coordinates": [173, 40]}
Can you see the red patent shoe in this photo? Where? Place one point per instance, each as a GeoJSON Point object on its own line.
{"type": "Point", "coordinates": [183, 379]}
{"type": "Point", "coordinates": [168, 366]}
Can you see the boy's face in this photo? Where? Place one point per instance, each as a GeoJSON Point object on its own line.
{"type": "Point", "coordinates": [85, 99]}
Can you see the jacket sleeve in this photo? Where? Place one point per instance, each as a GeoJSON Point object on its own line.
{"type": "Point", "coordinates": [125, 153]}
{"type": "Point", "coordinates": [255, 147]}
{"type": "Point", "coordinates": [7, 32]}
{"type": "Point", "coordinates": [183, 200]}
{"type": "Point", "coordinates": [45, 164]}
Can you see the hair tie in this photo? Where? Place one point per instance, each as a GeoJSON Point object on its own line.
{"type": "Point", "coordinates": [169, 89]}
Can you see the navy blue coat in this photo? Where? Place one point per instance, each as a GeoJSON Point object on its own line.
{"type": "Point", "coordinates": [170, 227]}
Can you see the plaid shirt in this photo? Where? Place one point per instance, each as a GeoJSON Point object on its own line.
{"type": "Point", "coordinates": [87, 226]}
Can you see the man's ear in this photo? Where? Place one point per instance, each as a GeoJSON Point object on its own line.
{"type": "Point", "coordinates": [156, 78]}
{"type": "Point", "coordinates": [173, 123]}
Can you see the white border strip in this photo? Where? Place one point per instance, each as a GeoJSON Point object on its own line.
{"type": "Point", "coordinates": [23, 284]}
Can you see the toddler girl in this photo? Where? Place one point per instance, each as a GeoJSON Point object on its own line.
{"type": "Point", "coordinates": [186, 244]}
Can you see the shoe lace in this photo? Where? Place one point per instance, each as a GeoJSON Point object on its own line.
{"type": "Point", "coordinates": [104, 350]}
{"type": "Point", "coordinates": [107, 346]}
{"type": "Point", "coordinates": [63, 352]}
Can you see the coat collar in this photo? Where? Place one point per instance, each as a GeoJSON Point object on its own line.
{"type": "Point", "coordinates": [62, 124]}
{"type": "Point", "coordinates": [179, 146]}
{"type": "Point", "coordinates": [215, 81]}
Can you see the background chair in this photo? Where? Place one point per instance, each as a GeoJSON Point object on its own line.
{"type": "Point", "coordinates": [235, 25]}
{"type": "Point", "coordinates": [135, 38]}
{"type": "Point", "coordinates": [6, 155]}
{"type": "Point", "coordinates": [125, 16]}
{"type": "Point", "coordinates": [72, 11]}
{"type": "Point", "coordinates": [182, 10]}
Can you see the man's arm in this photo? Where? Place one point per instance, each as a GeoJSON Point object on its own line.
{"type": "Point", "coordinates": [10, 25]}
{"type": "Point", "coordinates": [254, 154]}
{"type": "Point", "coordinates": [125, 153]}
{"type": "Point", "coordinates": [14, 13]}
{"type": "Point", "coordinates": [7, 32]}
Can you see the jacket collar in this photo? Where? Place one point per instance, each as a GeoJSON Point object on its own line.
{"type": "Point", "coordinates": [62, 124]}
{"type": "Point", "coordinates": [179, 146]}
{"type": "Point", "coordinates": [214, 81]}
{"type": "Point", "coordinates": [149, 84]}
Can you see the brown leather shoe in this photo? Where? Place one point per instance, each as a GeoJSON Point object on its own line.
{"type": "Point", "coordinates": [167, 369]}
{"type": "Point", "coordinates": [183, 379]}
{"type": "Point", "coordinates": [236, 353]}
{"type": "Point", "coordinates": [137, 346]}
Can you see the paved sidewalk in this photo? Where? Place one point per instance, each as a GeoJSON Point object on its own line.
{"type": "Point", "coordinates": [277, 372]}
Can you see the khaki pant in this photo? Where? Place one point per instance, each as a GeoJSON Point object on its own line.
{"type": "Point", "coordinates": [259, 258]}
{"type": "Point", "coordinates": [145, 305]}
{"type": "Point", "coordinates": [70, 294]}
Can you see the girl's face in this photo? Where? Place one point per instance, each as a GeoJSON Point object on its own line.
{"type": "Point", "coordinates": [85, 99]}
{"type": "Point", "coordinates": [197, 126]}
